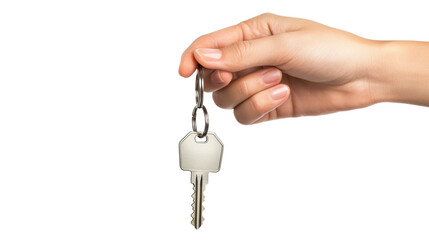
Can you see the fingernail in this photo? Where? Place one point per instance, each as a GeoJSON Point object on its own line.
{"type": "Point", "coordinates": [209, 54]}
{"type": "Point", "coordinates": [217, 78]}
{"type": "Point", "coordinates": [271, 76]}
{"type": "Point", "coordinates": [279, 92]}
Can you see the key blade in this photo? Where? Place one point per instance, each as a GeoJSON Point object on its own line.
{"type": "Point", "coordinates": [199, 180]}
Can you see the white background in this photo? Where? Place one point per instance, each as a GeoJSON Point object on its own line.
{"type": "Point", "coordinates": [92, 109]}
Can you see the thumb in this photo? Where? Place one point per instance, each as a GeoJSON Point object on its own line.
{"type": "Point", "coordinates": [245, 54]}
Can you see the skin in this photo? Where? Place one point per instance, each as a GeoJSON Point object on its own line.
{"type": "Point", "coordinates": [314, 69]}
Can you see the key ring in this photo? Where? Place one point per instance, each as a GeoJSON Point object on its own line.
{"type": "Point", "coordinates": [206, 122]}
{"type": "Point", "coordinates": [199, 87]}
{"type": "Point", "coordinates": [199, 99]}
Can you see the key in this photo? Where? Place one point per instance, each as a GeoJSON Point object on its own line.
{"type": "Point", "coordinates": [200, 158]}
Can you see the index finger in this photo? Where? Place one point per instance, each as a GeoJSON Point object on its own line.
{"type": "Point", "coordinates": [218, 39]}
{"type": "Point", "coordinates": [261, 26]}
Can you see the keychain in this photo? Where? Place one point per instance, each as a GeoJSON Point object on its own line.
{"type": "Point", "coordinates": [200, 157]}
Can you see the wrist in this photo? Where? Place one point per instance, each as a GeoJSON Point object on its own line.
{"type": "Point", "coordinates": [399, 72]}
{"type": "Point", "coordinates": [380, 82]}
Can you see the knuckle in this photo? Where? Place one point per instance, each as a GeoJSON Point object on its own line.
{"type": "Point", "coordinates": [239, 50]}
{"type": "Point", "coordinates": [266, 15]}
{"type": "Point", "coordinates": [243, 89]}
{"type": "Point", "coordinates": [286, 49]}
{"type": "Point", "coordinates": [256, 106]}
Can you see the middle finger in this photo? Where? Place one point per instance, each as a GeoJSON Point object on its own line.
{"type": "Point", "coordinates": [246, 86]}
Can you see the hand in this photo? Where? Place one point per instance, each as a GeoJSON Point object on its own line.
{"type": "Point", "coordinates": [272, 67]}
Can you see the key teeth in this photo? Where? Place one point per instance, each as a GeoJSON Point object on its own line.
{"type": "Point", "coordinates": [194, 196]}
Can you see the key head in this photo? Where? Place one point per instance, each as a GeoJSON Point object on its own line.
{"type": "Point", "coordinates": [205, 156]}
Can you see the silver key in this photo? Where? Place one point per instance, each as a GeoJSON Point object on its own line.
{"type": "Point", "coordinates": [200, 158]}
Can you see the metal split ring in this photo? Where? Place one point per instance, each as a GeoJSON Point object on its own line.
{"type": "Point", "coordinates": [199, 87]}
{"type": "Point", "coordinates": [206, 121]}
{"type": "Point", "coordinates": [199, 99]}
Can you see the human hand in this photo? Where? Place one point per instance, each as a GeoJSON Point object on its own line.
{"type": "Point", "coordinates": [271, 67]}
